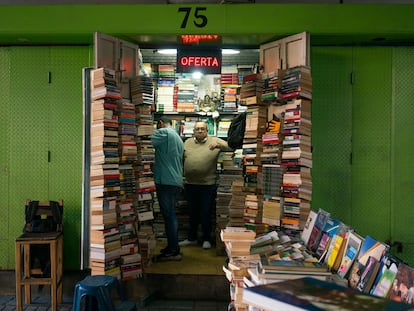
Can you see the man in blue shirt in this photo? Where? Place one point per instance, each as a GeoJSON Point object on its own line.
{"type": "Point", "coordinates": [168, 177]}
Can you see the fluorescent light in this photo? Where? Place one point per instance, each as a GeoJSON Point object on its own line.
{"type": "Point", "coordinates": [229, 51]}
{"type": "Point", "coordinates": [174, 51]}
{"type": "Point", "coordinates": [168, 51]}
{"type": "Point", "coordinates": [197, 75]}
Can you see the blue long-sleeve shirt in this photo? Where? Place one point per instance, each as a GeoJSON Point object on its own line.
{"type": "Point", "coordinates": [169, 150]}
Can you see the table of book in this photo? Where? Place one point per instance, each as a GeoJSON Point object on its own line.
{"type": "Point", "coordinates": [25, 275]}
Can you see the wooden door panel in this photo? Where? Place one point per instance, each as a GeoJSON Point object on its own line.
{"type": "Point", "coordinates": [270, 56]}
{"type": "Point", "coordinates": [106, 51]}
{"type": "Point", "coordinates": [285, 53]}
{"type": "Point", "coordinates": [296, 50]}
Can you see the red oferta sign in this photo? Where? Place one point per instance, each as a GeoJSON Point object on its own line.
{"type": "Point", "coordinates": [207, 61]}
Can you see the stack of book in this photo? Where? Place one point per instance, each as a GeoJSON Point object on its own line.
{"type": "Point", "coordinates": [223, 127]}
{"type": "Point", "coordinates": [253, 211]}
{"type": "Point", "coordinates": [236, 272]}
{"type": "Point", "coordinates": [270, 153]}
{"type": "Point", "coordinates": [229, 75]}
{"type": "Point", "coordinates": [272, 210]}
{"type": "Point", "coordinates": [227, 173]}
{"type": "Point", "coordinates": [131, 266]}
{"type": "Point", "coordinates": [145, 150]}
{"type": "Point", "coordinates": [296, 155]}
{"type": "Point", "coordinates": [249, 149]}
{"type": "Point", "coordinates": [188, 126]}
{"type": "Point", "coordinates": [142, 94]}
{"type": "Point", "coordinates": [229, 101]}
{"type": "Point", "coordinates": [147, 244]}
{"type": "Point", "coordinates": [250, 89]}
{"type": "Point", "coordinates": [272, 179]}
{"type": "Point", "coordinates": [186, 95]}
{"type": "Point", "coordinates": [236, 206]}
{"type": "Point", "coordinates": [296, 82]}
{"type": "Point", "coordinates": [237, 240]}
{"type": "Point", "coordinates": [142, 90]}
{"type": "Point", "coordinates": [127, 132]}
{"type": "Point", "coordinates": [129, 239]}
{"type": "Point", "coordinates": [165, 88]}
{"type": "Point", "coordinates": [256, 120]}
{"type": "Point", "coordinates": [104, 174]}
{"type": "Point", "coordinates": [270, 87]}
{"type": "Point", "coordinates": [145, 193]}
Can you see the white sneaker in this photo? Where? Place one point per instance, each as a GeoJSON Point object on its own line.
{"type": "Point", "coordinates": [187, 242]}
{"type": "Point", "coordinates": [206, 245]}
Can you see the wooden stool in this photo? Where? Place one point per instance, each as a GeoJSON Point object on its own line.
{"type": "Point", "coordinates": [24, 273]}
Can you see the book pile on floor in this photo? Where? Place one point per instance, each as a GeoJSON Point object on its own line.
{"type": "Point", "coordinates": [228, 173]}
{"type": "Point", "coordinates": [237, 241]}
{"type": "Point", "coordinates": [329, 252]}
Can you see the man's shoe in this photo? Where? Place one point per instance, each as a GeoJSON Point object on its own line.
{"type": "Point", "coordinates": [187, 243]}
{"type": "Point", "coordinates": [206, 245]}
{"type": "Point", "coordinates": [164, 250]}
{"type": "Point", "coordinates": [168, 256]}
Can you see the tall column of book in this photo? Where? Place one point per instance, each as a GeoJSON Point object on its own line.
{"type": "Point", "coordinates": [130, 264]}
{"type": "Point", "coordinates": [270, 154]}
{"type": "Point", "coordinates": [121, 180]}
{"type": "Point", "coordinates": [105, 243]}
{"type": "Point", "coordinates": [256, 120]}
{"type": "Point", "coordinates": [142, 95]}
{"type": "Point", "coordinates": [295, 93]}
{"type": "Point", "coordinates": [276, 151]}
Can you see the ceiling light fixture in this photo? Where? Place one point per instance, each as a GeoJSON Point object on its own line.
{"type": "Point", "coordinates": [229, 51]}
{"type": "Point", "coordinates": [168, 51]}
{"type": "Point", "coordinates": [197, 75]}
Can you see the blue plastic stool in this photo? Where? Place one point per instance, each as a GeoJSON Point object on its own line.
{"type": "Point", "coordinates": [100, 287]}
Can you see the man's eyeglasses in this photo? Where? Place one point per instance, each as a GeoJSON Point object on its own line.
{"type": "Point", "coordinates": [200, 128]}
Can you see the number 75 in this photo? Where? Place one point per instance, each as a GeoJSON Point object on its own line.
{"type": "Point", "coordinates": [200, 20]}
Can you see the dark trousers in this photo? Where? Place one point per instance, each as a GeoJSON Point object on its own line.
{"type": "Point", "coordinates": [201, 200]}
{"type": "Point", "coordinates": [167, 199]}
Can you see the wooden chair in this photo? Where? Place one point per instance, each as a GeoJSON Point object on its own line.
{"type": "Point", "coordinates": [26, 273]}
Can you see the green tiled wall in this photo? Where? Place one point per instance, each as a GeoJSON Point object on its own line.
{"type": "Point", "coordinates": [332, 130]}
{"type": "Point", "coordinates": [371, 141]}
{"type": "Point", "coordinates": [369, 121]}
{"type": "Point", "coordinates": [44, 138]}
{"type": "Point", "coordinates": [402, 167]}
{"type": "Point", "coordinates": [4, 156]}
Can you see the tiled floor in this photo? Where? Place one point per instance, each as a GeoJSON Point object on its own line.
{"type": "Point", "coordinates": [8, 303]}
{"type": "Point", "coordinates": [198, 265]}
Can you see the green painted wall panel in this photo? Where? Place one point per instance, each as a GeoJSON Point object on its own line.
{"type": "Point", "coordinates": [402, 172]}
{"type": "Point", "coordinates": [28, 136]}
{"type": "Point", "coordinates": [4, 152]}
{"type": "Point", "coordinates": [331, 130]}
{"type": "Point", "coordinates": [371, 141]}
{"type": "Point", "coordinates": [66, 120]}
{"type": "Point", "coordinates": [45, 113]}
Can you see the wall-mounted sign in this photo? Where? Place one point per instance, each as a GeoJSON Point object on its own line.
{"type": "Point", "coordinates": [208, 61]}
